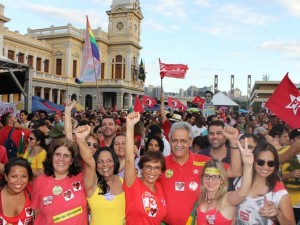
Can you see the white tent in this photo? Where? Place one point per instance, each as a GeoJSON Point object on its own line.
{"type": "Point", "coordinates": [220, 99]}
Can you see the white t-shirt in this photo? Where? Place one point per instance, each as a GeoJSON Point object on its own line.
{"type": "Point", "coordinates": [197, 131]}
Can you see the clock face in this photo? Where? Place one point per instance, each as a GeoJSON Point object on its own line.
{"type": "Point", "coordinates": [120, 25]}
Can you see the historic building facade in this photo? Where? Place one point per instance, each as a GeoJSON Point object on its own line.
{"type": "Point", "coordinates": [55, 54]}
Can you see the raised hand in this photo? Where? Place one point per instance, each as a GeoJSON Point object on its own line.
{"type": "Point", "coordinates": [269, 209]}
{"type": "Point", "coordinates": [132, 119]}
{"type": "Point", "coordinates": [82, 132]}
{"type": "Point", "coordinates": [247, 155]}
{"type": "Point", "coordinates": [231, 134]}
{"type": "Point", "coordinates": [70, 105]}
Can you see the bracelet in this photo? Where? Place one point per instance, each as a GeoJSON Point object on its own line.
{"type": "Point", "coordinates": [234, 147]}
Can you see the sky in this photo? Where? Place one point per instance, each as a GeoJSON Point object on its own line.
{"type": "Point", "coordinates": [223, 37]}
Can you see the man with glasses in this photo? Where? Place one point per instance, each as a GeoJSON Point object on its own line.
{"type": "Point", "coordinates": [181, 180]}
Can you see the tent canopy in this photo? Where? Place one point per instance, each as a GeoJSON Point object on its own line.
{"type": "Point", "coordinates": [42, 104]}
{"type": "Point", "coordinates": [220, 99]}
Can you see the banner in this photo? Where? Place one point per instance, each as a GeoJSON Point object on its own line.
{"type": "Point", "coordinates": [148, 101]}
{"type": "Point", "coordinates": [172, 70]}
{"type": "Point", "coordinates": [285, 102]}
{"type": "Point", "coordinates": [6, 107]}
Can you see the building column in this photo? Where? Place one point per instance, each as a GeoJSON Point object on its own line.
{"type": "Point", "coordinates": [33, 91]}
{"type": "Point", "coordinates": [50, 95]}
{"type": "Point", "coordinates": [42, 92]}
{"type": "Point", "coordinates": [11, 98]}
{"type": "Point", "coordinates": [58, 97]}
{"type": "Point", "coordinates": [120, 100]}
{"type": "Point", "coordinates": [68, 60]}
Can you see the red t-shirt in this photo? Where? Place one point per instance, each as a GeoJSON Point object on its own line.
{"type": "Point", "coordinates": [143, 207]}
{"type": "Point", "coordinates": [181, 184]}
{"type": "Point", "coordinates": [59, 201]}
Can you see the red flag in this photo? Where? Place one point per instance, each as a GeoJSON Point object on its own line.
{"type": "Point", "coordinates": [172, 70]}
{"type": "Point", "coordinates": [174, 103]}
{"type": "Point", "coordinates": [200, 101]}
{"type": "Point", "coordinates": [137, 105]}
{"type": "Point", "coordinates": [148, 101]}
{"type": "Point", "coordinates": [285, 102]}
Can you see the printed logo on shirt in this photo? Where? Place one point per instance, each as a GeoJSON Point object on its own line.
{"type": "Point", "coordinates": [68, 195]}
{"type": "Point", "coordinates": [210, 219]}
{"type": "Point", "coordinates": [76, 186]}
{"type": "Point", "coordinates": [67, 215]}
{"type": "Point", "coordinates": [47, 200]}
{"type": "Point", "coordinates": [149, 203]}
{"type": "Point", "coordinates": [193, 185]}
{"type": "Point", "coordinates": [195, 163]}
{"type": "Point", "coordinates": [244, 216]}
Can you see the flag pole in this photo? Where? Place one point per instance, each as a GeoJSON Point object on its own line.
{"type": "Point", "coordinates": [97, 87]}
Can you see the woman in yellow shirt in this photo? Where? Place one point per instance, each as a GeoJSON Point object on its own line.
{"type": "Point", "coordinates": [35, 152]}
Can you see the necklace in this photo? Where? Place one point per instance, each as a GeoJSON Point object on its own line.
{"type": "Point", "coordinates": [210, 200]}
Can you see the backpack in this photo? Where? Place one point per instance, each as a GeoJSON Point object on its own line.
{"type": "Point", "coordinates": [9, 144]}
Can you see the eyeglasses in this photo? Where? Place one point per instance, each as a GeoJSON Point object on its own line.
{"type": "Point", "coordinates": [95, 145]}
{"type": "Point", "coordinates": [213, 177]}
{"type": "Point", "coordinates": [148, 168]}
{"type": "Point", "coordinates": [261, 162]}
{"type": "Point", "coordinates": [31, 138]}
{"type": "Point", "coordinates": [102, 162]}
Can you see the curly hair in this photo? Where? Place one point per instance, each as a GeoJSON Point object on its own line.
{"type": "Point", "coordinates": [76, 166]}
{"type": "Point", "coordinates": [101, 183]}
{"type": "Point", "coordinates": [159, 141]}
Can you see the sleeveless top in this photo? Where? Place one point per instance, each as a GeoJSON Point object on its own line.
{"type": "Point", "coordinates": [212, 216]}
{"type": "Point", "coordinates": [24, 217]}
{"type": "Point", "coordinates": [107, 207]}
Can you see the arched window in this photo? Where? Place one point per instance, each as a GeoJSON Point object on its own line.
{"type": "Point", "coordinates": [118, 67]}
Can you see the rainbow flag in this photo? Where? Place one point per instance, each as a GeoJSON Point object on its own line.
{"type": "Point", "coordinates": [90, 68]}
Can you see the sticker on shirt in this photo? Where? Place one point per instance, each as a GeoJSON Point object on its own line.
{"type": "Point", "coordinates": [193, 185]}
{"type": "Point", "coordinates": [47, 200]}
{"type": "Point", "coordinates": [210, 219]}
{"type": "Point", "coordinates": [29, 211]}
{"type": "Point", "coordinates": [76, 186]}
{"type": "Point", "coordinates": [179, 186]}
{"type": "Point", "coordinates": [68, 195]}
{"type": "Point", "coordinates": [169, 173]}
{"type": "Point", "coordinates": [149, 203]}
{"type": "Point", "coordinates": [244, 216]}
{"type": "Point", "coordinates": [67, 215]}
{"type": "Point", "coordinates": [109, 196]}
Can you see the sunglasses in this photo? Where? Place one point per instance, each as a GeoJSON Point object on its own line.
{"type": "Point", "coordinates": [261, 162]}
{"type": "Point", "coordinates": [95, 145]}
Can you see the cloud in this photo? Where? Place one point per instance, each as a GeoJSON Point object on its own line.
{"type": "Point", "coordinates": [292, 5]}
{"type": "Point", "coordinates": [291, 48]}
{"type": "Point", "coordinates": [68, 15]}
{"type": "Point", "coordinates": [242, 14]}
{"type": "Point", "coordinates": [172, 8]}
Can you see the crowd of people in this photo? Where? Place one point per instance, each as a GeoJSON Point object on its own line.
{"type": "Point", "coordinates": [108, 167]}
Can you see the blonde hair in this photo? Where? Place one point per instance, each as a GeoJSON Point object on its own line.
{"type": "Point", "coordinates": [223, 179]}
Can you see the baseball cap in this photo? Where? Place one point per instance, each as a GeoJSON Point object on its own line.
{"type": "Point", "coordinates": [260, 130]}
{"type": "Point", "coordinates": [294, 133]}
{"type": "Point", "coordinates": [57, 131]}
